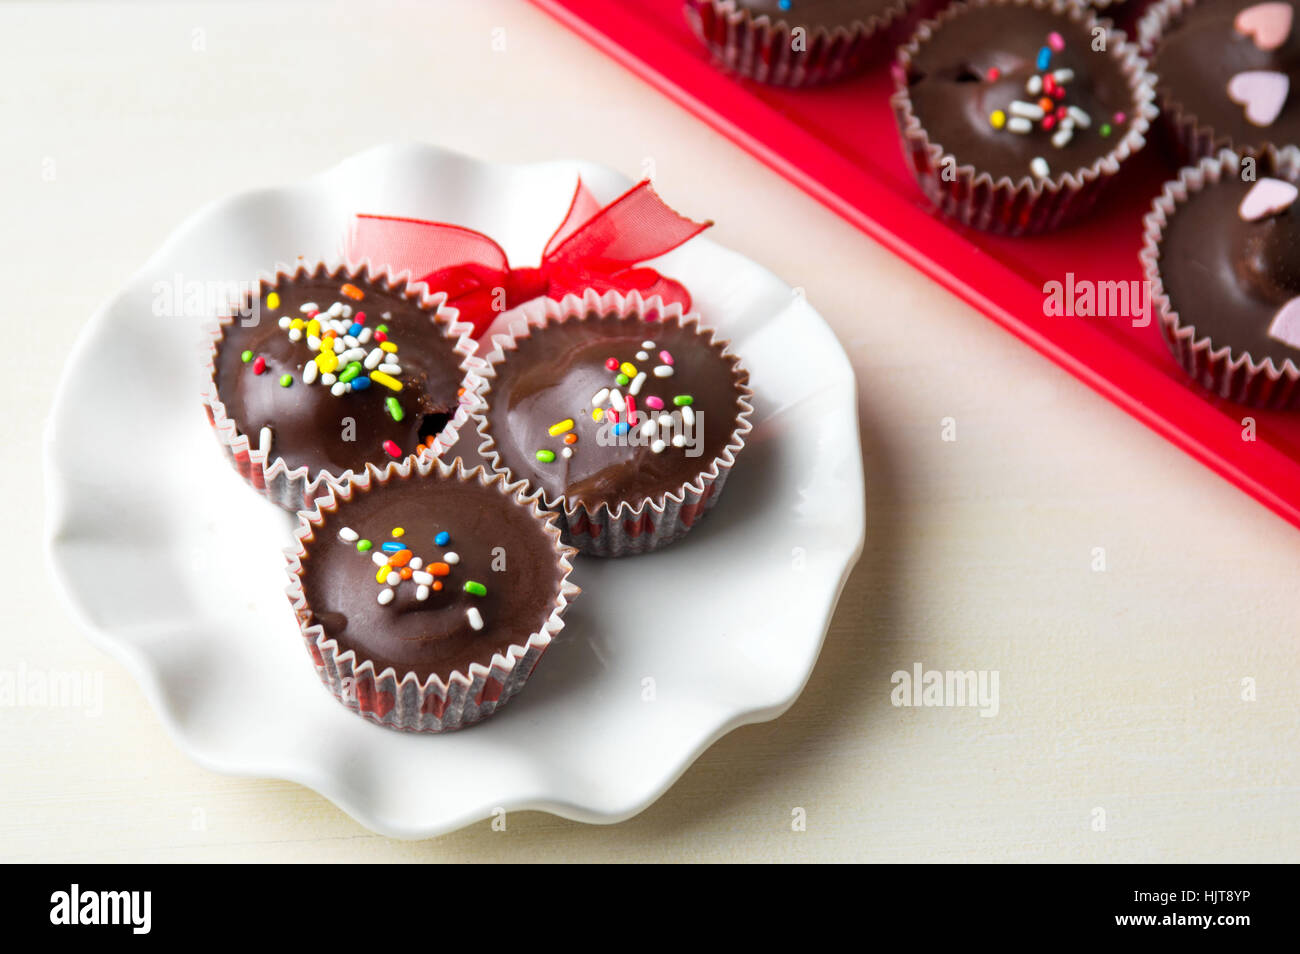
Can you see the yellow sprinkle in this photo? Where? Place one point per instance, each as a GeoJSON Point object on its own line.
{"type": "Point", "coordinates": [597, 414]}
{"type": "Point", "coordinates": [628, 368]}
{"type": "Point", "coordinates": [313, 328]}
{"type": "Point", "coordinates": [388, 381]}
{"type": "Point", "coordinates": [297, 323]}
{"type": "Point", "coordinates": [388, 346]}
{"type": "Point", "coordinates": [998, 119]}
{"type": "Point", "coordinates": [273, 301]}
{"type": "Point", "coordinates": [398, 532]}
{"type": "Point", "coordinates": [327, 361]}
{"type": "Point", "coordinates": [555, 430]}
{"type": "Point", "coordinates": [382, 575]}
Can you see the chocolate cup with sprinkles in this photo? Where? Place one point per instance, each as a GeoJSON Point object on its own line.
{"type": "Point", "coordinates": [1218, 68]}
{"type": "Point", "coordinates": [799, 43]}
{"type": "Point", "coordinates": [333, 367]}
{"type": "Point", "coordinates": [1224, 276]}
{"type": "Point", "coordinates": [426, 594]}
{"type": "Point", "coordinates": [1011, 121]}
{"type": "Point", "coordinates": [623, 415]}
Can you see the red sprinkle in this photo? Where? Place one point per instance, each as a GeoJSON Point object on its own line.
{"type": "Point", "coordinates": [392, 449]}
{"type": "Point", "coordinates": [612, 415]}
{"type": "Point", "coordinates": [380, 337]}
{"type": "Point", "coordinates": [631, 410]}
{"type": "Point", "coordinates": [993, 74]}
{"type": "Point", "coordinates": [259, 364]}
{"type": "Point", "coordinates": [611, 363]}
{"type": "Point", "coordinates": [1048, 123]}
{"type": "Point", "coordinates": [359, 317]}
{"type": "Point", "coordinates": [1049, 84]}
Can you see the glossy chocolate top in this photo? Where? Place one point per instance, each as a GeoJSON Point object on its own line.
{"type": "Point", "coordinates": [603, 409]}
{"type": "Point", "coordinates": [1227, 277]}
{"type": "Point", "coordinates": [998, 87]}
{"type": "Point", "coordinates": [491, 540]}
{"type": "Point", "coordinates": [1203, 51]}
{"type": "Point", "coordinates": [312, 426]}
{"type": "Point", "coordinates": [817, 13]}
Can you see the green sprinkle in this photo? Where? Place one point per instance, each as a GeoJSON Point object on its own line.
{"type": "Point", "coordinates": [683, 399]}
{"type": "Point", "coordinates": [546, 456]}
{"type": "Point", "coordinates": [622, 379]}
{"type": "Point", "coordinates": [246, 357]}
{"type": "Point", "coordinates": [475, 589]}
{"type": "Point", "coordinates": [286, 380]}
{"type": "Point", "coordinates": [383, 328]}
{"type": "Point", "coordinates": [350, 372]}
{"type": "Point", "coordinates": [1105, 130]}
{"type": "Point", "coordinates": [395, 408]}
{"type": "Point", "coordinates": [364, 545]}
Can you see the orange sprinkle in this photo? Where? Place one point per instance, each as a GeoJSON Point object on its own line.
{"type": "Point", "coordinates": [460, 392]}
{"type": "Point", "coordinates": [353, 292]}
{"type": "Point", "coordinates": [404, 572]}
{"type": "Point", "coordinates": [439, 569]}
{"type": "Point", "coordinates": [400, 558]}
{"type": "Point", "coordinates": [437, 584]}
{"type": "Point", "coordinates": [570, 438]}
{"type": "Point", "coordinates": [1047, 104]}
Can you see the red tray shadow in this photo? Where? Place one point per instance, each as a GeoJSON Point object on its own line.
{"type": "Point", "coordinates": [840, 145]}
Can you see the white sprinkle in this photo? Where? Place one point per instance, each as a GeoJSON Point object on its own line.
{"type": "Point", "coordinates": [475, 617]}
{"type": "Point", "coordinates": [658, 447]}
{"type": "Point", "coordinates": [393, 578]}
{"type": "Point", "coordinates": [424, 579]}
{"type": "Point", "coordinates": [1063, 76]}
{"type": "Point", "coordinates": [387, 316]}
{"type": "Point", "coordinates": [566, 453]}
{"type": "Point", "coordinates": [390, 368]}
{"type": "Point", "coordinates": [385, 597]}
{"type": "Point", "coordinates": [353, 354]}
{"type": "Point", "coordinates": [336, 309]}
{"type": "Point", "coordinates": [264, 441]}
{"type": "Point", "coordinates": [346, 311]}
{"type": "Point", "coordinates": [1080, 117]}
{"type": "Point", "coordinates": [1035, 85]}
{"type": "Point", "coordinates": [339, 389]}
{"type": "Point", "coordinates": [451, 558]}
{"type": "Point", "coordinates": [295, 334]}
{"type": "Point", "coordinates": [308, 306]}
{"type": "Point", "coordinates": [284, 322]}
{"type": "Point", "coordinates": [309, 372]}
{"type": "Point", "coordinates": [643, 356]}
{"type": "Point", "coordinates": [1061, 138]}
{"type": "Point", "coordinates": [637, 383]}
{"type": "Point", "coordinates": [616, 399]}
{"type": "Point", "coordinates": [374, 359]}
{"type": "Point", "coordinates": [663, 371]}
{"type": "Point", "coordinates": [679, 440]}
{"type": "Point", "coordinates": [348, 534]}
{"type": "Point", "coordinates": [338, 345]}
{"type": "Point", "coordinates": [421, 593]}
{"type": "Point", "coordinates": [1020, 125]}
{"type": "Point", "coordinates": [415, 563]}
{"type": "Point", "coordinates": [648, 429]}
{"type": "Point", "coordinates": [648, 345]}
{"type": "Point", "coordinates": [600, 397]}
{"type": "Point", "coordinates": [1028, 110]}
{"type": "Point", "coordinates": [366, 333]}
{"type": "Point", "coordinates": [328, 379]}
{"type": "Point", "coordinates": [1038, 166]}
{"type": "Point", "coordinates": [688, 415]}
{"type": "Point", "coordinates": [378, 558]}
{"type": "Point", "coordinates": [313, 342]}
{"type": "Point", "coordinates": [351, 340]}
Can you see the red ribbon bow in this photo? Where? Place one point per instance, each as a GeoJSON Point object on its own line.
{"type": "Point", "coordinates": [594, 247]}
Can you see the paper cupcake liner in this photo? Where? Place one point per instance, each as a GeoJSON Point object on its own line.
{"type": "Point", "coordinates": [402, 700]}
{"type": "Point", "coordinates": [297, 488]}
{"type": "Point", "coordinates": [756, 46]}
{"type": "Point", "coordinates": [1189, 139]}
{"type": "Point", "coordinates": [1029, 205]}
{"type": "Point", "coordinates": [1234, 375]}
{"type": "Point", "coordinates": [634, 526]}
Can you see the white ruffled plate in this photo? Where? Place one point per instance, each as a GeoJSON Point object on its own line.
{"type": "Point", "coordinates": [175, 567]}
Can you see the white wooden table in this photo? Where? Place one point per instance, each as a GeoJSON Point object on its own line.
{"type": "Point", "coordinates": [1120, 691]}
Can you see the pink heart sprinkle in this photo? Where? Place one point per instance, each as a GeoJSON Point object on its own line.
{"type": "Point", "coordinates": [1262, 92]}
{"type": "Point", "coordinates": [1268, 24]}
{"type": "Point", "coordinates": [1267, 197]}
{"type": "Point", "coordinates": [1286, 324]}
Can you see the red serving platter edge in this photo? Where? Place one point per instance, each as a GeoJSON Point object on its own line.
{"type": "Point", "coordinates": [840, 144]}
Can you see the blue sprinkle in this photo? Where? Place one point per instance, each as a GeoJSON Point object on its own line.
{"type": "Point", "coordinates": [355, 329]}
{"type": "Point", "coordinates": [620, 427]}
{"type": "Point", "coordinates": [442, 539]}
{"type": "Point", "coordinates": [784, 4]}
{"type": "Point", "coordinates": [392, 546]}
{"type": "Point", "coordinates": [360, 383]}
{"type": "Point", "coordinates": [1044, 57]}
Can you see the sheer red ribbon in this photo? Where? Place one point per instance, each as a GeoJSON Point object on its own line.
{"type": "Point", "coordinates": [594, 247]}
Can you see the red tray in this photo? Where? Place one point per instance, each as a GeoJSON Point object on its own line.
{"type": "Point", "coordinates": [840, 145]}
